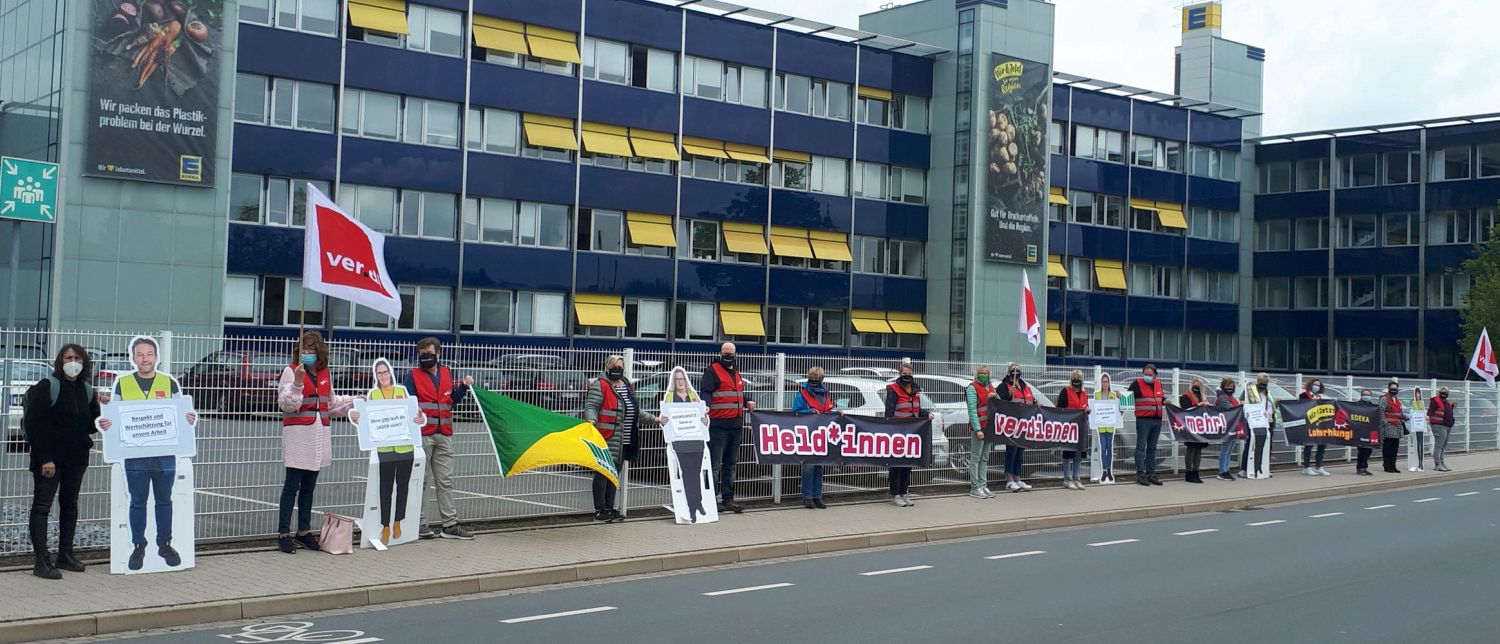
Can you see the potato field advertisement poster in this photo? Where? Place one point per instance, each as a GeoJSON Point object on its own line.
{"type": "Point", "coordinates": [1020, 101]}
{"type": "Point", "coordinates": [154, 90]}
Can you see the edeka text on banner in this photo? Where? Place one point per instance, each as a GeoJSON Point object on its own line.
{"type": "Point", "coordinates": [1038, 427]}
{"type": "Point", "coordinates": [1205, 424]}
{"type": "Point", "coordinates": [1330, 422]}
{"type": "Point", "coordinates": [841, 439]}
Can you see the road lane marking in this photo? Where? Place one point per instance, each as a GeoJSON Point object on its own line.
{"type": "Point", "coordinates": [1466, 494]}
{"type": "Point", "coordinates": [748, 589]}
{"type": "Point", "coordinates": [1112, 543]}
{"type": "Point", "coordinates": [1325, 515]}
{"type": "Point", "coordinates": [1381, 507]}
{"type": "Point", "coordinates": [1190, 533]}
{"type": "Point", "coordinates": [1430, 498]}
{"type": "Point", "coordinates": [893, 571]}
{"type": "Point", "coordinates": [1261, 523]}
{"type": "Point", "coordinates": [1028, 553]}
{"type": "Point", "coordinates": [570, 613]}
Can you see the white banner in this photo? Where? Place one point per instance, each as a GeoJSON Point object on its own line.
{"type": "Point", "coordinates": [388, 423]}
{"type": "Point", "coordinates": [1104, 413]}
{"type": "Point", "coordinates": [1256, 417]}
{"type": "Point", "coordinates": [161, 537]}
{"type": "Point", "coordinates": [146, 428]}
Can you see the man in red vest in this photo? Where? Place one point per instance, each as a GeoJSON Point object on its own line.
{"type": "Point", "coordinates": [436, 394]}
{"type": "Point", "coordinates": [1148, 406]}
{"type": "Point", "coordinates": [726, 420]}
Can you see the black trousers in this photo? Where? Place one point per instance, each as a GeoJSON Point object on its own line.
{"type": "Point", "coordinates": [395, 472]}
{"type": "Point", "coordinates": [64, 485]}
{"type": "Point", "coordinates": [604, 493]}
{"type": "Point", "coordinates": [900, 480]}
{"type": "Point", "coordinates": [1194, 455]}
{"type": "Point", "coordinates": [1307, 455]}
{"type": "Point", "coordinates": [1252, 450]}
{"type": "Point", "coordinates": [297, 488]}
{"type": "Point", "coordinates": [1388, 449]}
{"type": "Point", "coordinates": [1363, 461]}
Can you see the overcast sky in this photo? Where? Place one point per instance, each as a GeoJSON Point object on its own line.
{"type": "Point", "coordinates": [1329, 63]}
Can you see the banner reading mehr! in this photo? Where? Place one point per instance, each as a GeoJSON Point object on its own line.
{"type": "Point", "coordinates": [1205, 424]}
{"type": "Point", "coordinates": [1038, 427]}
{"type": "Point", "coordinates": [840, 439]}
{"type": "Point", "coordinates": [1330, 422]}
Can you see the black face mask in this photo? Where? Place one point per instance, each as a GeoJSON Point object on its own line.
{"type": "Point", "coordinates": [427, 360]}
{"type": "Point", "coordinates": [1076, 383]}
{"type": "Point", "coordinates": [727, 358]}
{"type": "Point", "coordinates": [1393, 391]}
{"type": "Point", "coordinates": [1015, 375]}
{"type": "Point", "coordinates": [1197, 391]}
{"type": "Point", "coordinates": [906, 380]}
{"type": "Point", "coordinates": [1443, 395]}
{"type": "Point", "coordinates": [1229, 391]}
{"type": "Point", "coordinates": [815, 382]}
{"type": "Point", "coordinates": [616, 373]}
{"type": "Point", "coordinates": [1261, 386]}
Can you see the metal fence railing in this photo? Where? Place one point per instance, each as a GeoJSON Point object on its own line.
{"type": "Point", "coordinates": [238, 471]}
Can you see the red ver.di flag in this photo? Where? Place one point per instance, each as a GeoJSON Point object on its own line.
{"type": "Point", "coordinates": [343, 258]}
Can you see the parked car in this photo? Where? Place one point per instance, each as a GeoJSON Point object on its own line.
{"type": "Point", "coordinates": [539, 379]}
{"type": "Point", "coordinates": [21, 376]}
{"type": "Point", "coordinates": [944, 390]}
{"type": "Point", "coordinates": [110, 366]}
{"type": "Point", "coordinates": [26, 352]}
{"type": "Point", "coordinates": [235, 381]}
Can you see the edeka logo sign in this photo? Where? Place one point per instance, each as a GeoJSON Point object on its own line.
{"type": "Point", "coordinates": [348, 258]}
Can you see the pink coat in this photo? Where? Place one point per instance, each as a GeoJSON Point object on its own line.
{"type": "Point", "coordinates": [311, 447]}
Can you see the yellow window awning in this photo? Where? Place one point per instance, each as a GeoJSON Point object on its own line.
{"type": "Point", "coordinates": [651, 230]}
{"type": "Point", "coordinates": [599, 310]}
{"type": "Point", "coordinates": [874, 92]}
{"type": "Point", "coordinates": [1170, 215]}
{"type": "Point", "coordinates": [791, 242]}
{"type": "Point", "coordinates": [741, 319]}
{"type": "Point", "coordinates": [702, 147]}
{"type": "Point", "coordinates": [1055, 267]}
{"type": "Point", "coordinates": [748, 239]}
{"type": "Point", "coordinates": [1055, 336]}
{"type": "Point", "coordinates": [654, 145]}
{"type": "Point", "coordinates": [553, 44]}
{"type": "Point", "coordinates": [500, 35]}
{"type": "Point", "coordinates": [549, 132]}
{"type": "Point", "coordinates": [1110, 273]}
{"type": "Point", "coordinates": [830, 245]}
{"type": "Point", "coordinates": [1055, 196]}
{"type": "Point", "coordinates": [599, 138]}
{"type": "Point", "coordinates": [869, 322]}
{"type": "Point", "coordinates": [788, 155]}
{"type": "Point", "coordinates": [744, 152]}
{"type": "Point", "coordinates": [906, 323]}
{"type": "Point", "coordinates": [1143, 204]}
{"type": "Point", "coordinates": [387, 16]}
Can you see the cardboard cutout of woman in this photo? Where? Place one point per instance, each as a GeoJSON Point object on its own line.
{"type": "Point", "coordinates": [392, 491]}
{"type": "Point", "coordinates": [686, 437]}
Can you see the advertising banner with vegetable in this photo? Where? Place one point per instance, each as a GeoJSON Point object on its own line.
{"type": "Point", "coordinates": [1020, 102]}
{"type": "Point", "coordinates": [154, 91]}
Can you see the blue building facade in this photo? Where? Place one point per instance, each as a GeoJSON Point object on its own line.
{"type": "Point", "coordinates": [599, 174]}
{"type": "Point", "coordinates": [1360, 237]}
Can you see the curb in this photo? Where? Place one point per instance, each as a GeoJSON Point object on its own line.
{"type": "Point", "coordinates": [258, 607]}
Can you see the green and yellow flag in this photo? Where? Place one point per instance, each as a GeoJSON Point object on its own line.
{"type": "Point", "coordinates": [527, 437]}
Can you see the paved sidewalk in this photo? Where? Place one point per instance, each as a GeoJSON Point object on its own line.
{"type": "Point", "coordinates": [257, 584]}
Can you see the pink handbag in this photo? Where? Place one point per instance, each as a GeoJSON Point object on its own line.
{"type": "Point", "coordinates": [337, 537]}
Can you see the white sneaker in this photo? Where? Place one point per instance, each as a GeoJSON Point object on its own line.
{"type": "Point", "coordinates": [898, 501]}
{"type": "Point", "coordinates": [1322, 472]}
{"type": "Point", "coordinates": [1077, 484]}
{"type": "Point", "coordinates": [987, 493]}
{"type": "Point", "coordinates": [907, 499]}
{"type": "Point", "coordinates": [977, 494]}
{"type": "Point", "coordinates": [1308, 471]}
{"type": "Point", "coordinates": [1013, 486]}
{"type": "Point", "coordinates": [1024, 485]}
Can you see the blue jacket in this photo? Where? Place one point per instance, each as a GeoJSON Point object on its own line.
{"type": "Point", "coordinates": [800, 406]}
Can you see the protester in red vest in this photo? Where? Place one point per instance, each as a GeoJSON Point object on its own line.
{"type": "Point", "coordinates": [977, 395]}
{"type": "Point", "coordinates": [903, 399]}
{"type": "Point", "coordinates": [1225, 400]}
{"type": "Point", "coordinates": [1392, 426]}
{"type": "Point", "coordinates": [1148, 401]}
{"type": "Point", "coordinates": [1193, 397]}
{"type": "Point", "coordinates": [727, 405]}
{"type": "Point", "coordinates": [1440, 422]}
{"type": "Point", "coordinates": [612, 408]}
{"type": "Point", "coordinates": [1313, 390]}
{"type": "Point", "coordinates": [1073, 397]}
{"type": "Point", "coordinates": [305, 397]}
{"type": "Point", "coordinates": [1015, 389]}
{"type": "Point", "coordinates": [1362, 461]}
{"type": "Point", "coordinates": [813, 398]}
{"type": "Point", "coordinates": [438, 392]}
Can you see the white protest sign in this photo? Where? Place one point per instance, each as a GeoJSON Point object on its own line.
{"type": "Point", "coordinates": [1418, 423]}
{"type": "Point", "coordinates": [1255, 415]}
{"type": "Point", "coordinates": [1104, 413]}
{"type": "Point", "coordinates": [685, 421]}
{"type": "Point", "coordinates": [388, 423]}
{"type": "Point", "coordinates": [147, 428]}
{"type": "Point", "coordinates": [148, 425]}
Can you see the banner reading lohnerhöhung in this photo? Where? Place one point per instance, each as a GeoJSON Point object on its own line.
{"type": "Point", "coordinates": [1330, 422]}
{"type": "Point", "coordinates": [154, 90]}
{"type": "Point", "coordinates": [1016, 178]}
{"type": "Point", "coordinates": [840, 439]}
{"type": "Point", "coordinates": [1204, 424]}
{"type": "Point", "coordinates": [1038, 427]}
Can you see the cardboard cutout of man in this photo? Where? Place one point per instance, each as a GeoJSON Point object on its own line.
{"type": "Point", "coordinates": [392, 492]}
{"type": "Point", "coordinates": [151, 481]}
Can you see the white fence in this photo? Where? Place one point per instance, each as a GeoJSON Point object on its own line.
{"type": "Point", "coordinates": [239, 471]}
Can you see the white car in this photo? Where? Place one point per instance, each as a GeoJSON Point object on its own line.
{"type": "Point", "coordinates": [866, 397]}
{"type": "Point", "coordinates": [23, 374]}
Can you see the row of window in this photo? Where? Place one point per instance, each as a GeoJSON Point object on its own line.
{"type": "Point", "coordinates": [1366, 355]}
{"type": "Point", "coordinates": [1145, 343]}
{"type": "Point", "coordinates": [1145, 280]}
{"type": "Point", "coordinates": [1444, 291]}
{"type": "Point", "coordinates": [1371, 231]}
{"type": "Point", "coordinates": [277, 301]}
{"type": "Point", "coordinates": [1389, 168]}
{"type": "Point", "coordinates": [1097, 209]}
{"type": "Point", "coordinates": [1101, 144]}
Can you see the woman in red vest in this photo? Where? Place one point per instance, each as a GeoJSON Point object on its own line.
{"type": "Point", "coordinates": [1072, 397]}
{"type": "Point", "coordinates": [611, 407]}
{"type": "Point", "coordinates": [813, 398]}
{"type": "Point", "coordinates": [305, 396]}
{"type": "Point", "coordinates": [903, 399]}
{"type": "Point", "coordinates": [1313, 390]}
{"type": "Point", "coordinates": [1193, 397]}
{"type": "Point", "coordinates": [1392, 426]}
{"type": "Point", "coordinates": [1015, 389]}
{"type": "Point", "coordinates": [1440, 421]}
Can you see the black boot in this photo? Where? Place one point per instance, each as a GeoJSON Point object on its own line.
{"type": "Point", "coordinates": [44, 567]}
{"type": "Point", "coordinates": [66, 561]}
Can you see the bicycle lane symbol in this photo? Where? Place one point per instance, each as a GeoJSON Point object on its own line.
{"type": "Point", "coordinates": [295, 632]}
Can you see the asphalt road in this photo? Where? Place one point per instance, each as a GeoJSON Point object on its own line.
{"type": "Point", "coordinates": [1419, 564]}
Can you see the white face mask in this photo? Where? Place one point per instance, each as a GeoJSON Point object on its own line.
{"type": "Point", "coordinates": [72, 369]}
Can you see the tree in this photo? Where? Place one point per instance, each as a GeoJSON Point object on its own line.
{"type": "Point", "coordinates": [1481, 305]}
